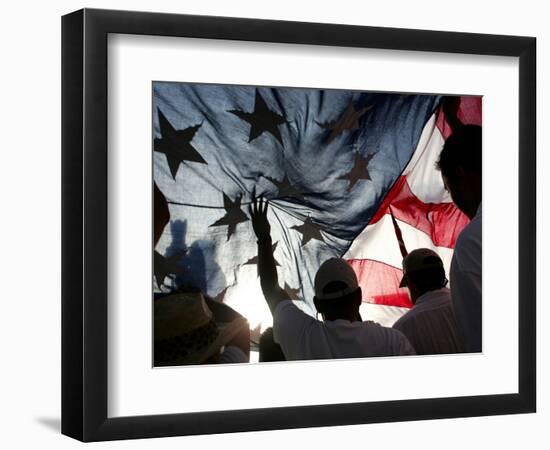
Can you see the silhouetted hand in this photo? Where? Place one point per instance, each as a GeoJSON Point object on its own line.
{"type": "Point", "coordinates": [258, 214]}
{"type": "Point", "coordinates": [266, 263]}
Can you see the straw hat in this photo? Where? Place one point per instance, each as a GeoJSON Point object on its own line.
{"type": "Point", "coordinates": [186, 331]}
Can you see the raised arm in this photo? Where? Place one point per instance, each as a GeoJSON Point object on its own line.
{"type": "Point", "coordinates": [266, 263]}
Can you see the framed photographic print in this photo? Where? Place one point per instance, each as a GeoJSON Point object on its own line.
{"type": "Point", "coordinates": [276, 224]}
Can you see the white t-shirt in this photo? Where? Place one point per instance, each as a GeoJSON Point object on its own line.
{"type": "Point", "coordinates": [466, 283]}
{"type": "Point", "coordinates": [430, 326]}
{"type": "Point", "coordinates": [302, 337]}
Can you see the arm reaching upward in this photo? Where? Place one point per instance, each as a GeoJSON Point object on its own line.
{"type": "Point", "coordinates": [266, 263]}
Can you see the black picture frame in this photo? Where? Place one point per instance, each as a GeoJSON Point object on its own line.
{"type": "Point", "coordinates": [84, 224]}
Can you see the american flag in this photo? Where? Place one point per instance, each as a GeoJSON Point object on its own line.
{"type": "Point", "coordinates": [423, 212]}
{"type": "Point", "coordinates": [334, 164]}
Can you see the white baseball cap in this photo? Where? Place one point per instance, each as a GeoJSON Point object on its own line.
{"type": "Point", "coordinates": [335, 269]}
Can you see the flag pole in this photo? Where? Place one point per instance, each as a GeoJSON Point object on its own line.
{"type": "Point", "coordinates": [399, 235]}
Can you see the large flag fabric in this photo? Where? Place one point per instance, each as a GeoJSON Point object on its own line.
{"type": "Point", "coordinates": [423, 212]}
{"type": "Point", "coordinates": [333, 165]}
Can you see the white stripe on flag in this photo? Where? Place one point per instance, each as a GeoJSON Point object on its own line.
{"type": "Point", "coordinates": [378, 242]}
{"type": "Point", "coordinates": [382, 314]}
{"type": "Point", "coordinates": [422, 176]}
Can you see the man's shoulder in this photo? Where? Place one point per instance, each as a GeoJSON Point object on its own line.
{"type": "Point", "coordinates": [387, 331]}
{"type": "Point", "coordinates": [468, 245]}
{"type": "Point", "coordinates": [399, 323]}
{"type": "Point", "coordinates": [470, 234]}
{"type": "Point", "coordinates": [287, 311]}
{"type": "Point", "coordinates": [371, 324]}
{"type": "Point", "coordinates": [281, 306]}
{"type": "Point", "coordinates": [432, 299]}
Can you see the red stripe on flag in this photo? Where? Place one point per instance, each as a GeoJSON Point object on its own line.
{"type": "Point", "coordinates": [443, 222]}
{"type": "Point", "coordinates": [379, 283]}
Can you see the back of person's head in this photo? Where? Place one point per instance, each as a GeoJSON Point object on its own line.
{"type": "Point", "coordinates": [461, 150]}
{"type": "Point", "coordinates": [269, 350]}
{"type": "Point", "coordinates": [337, 291]}
{"type": "Point", "coordinates": [428, 279]}
{"type": "Point", "coordinates": [460, 165]}
{"type": "Point", "coordinates": [423, 271]}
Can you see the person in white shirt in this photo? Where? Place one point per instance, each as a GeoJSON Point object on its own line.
{"type": "Point", "coordinates": [460, 165]}
{"type": "Point", "coordinates": [430, 325]}
{"type": "Point", "coordinates": [342, 334]}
